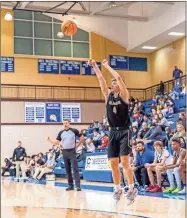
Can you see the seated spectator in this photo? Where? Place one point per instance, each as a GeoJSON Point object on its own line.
{"type": "Point", "coordinates": [177, 169]}
{"type": "Point", "coordinates": [180, 131]}
{"type": "Point", "coordinates": [141, 107]}
{"type": "Point", "coordinates": [40, 161]}
{"type": "Point", "coordinates": [96, 139]}
{"type": "Point", "coordinates": [104, 138]}
{"type": "Point", "coordinates": [25, 167]}
{"type": "Point", "coordinates": [154, 133]}
{"type": "Point", "coordinates": [143, 156]}
{"type": "Point", "coordinates": [97, 126]}
{"type": "Point", "coordinates": [90, 146]}
{"type": "Point", "coordinates": [178, 88]}
{"type": "Point", "coordinates": [134, 133]}
{"type": "Point", "coordinates": [173, 95]}
{"type": "Point", "coordinates": [9, 167]}
{"type": "Point", "coordinates": [143, 131]}
{"type": "Point", "coordinates": [163, 122]}
{"type": "Point", "coordinates": [162, 159]}
{"type": "Point", "coordinates": [134, 122]}
{"type": "Point", "coordinates": [146, 120]}
{"type": "Point", "coordinates": [182, 116]}
{"type": "Point", "coordinates": [183, 90]}
{"type": "Point", "coordinates": [46, 168]}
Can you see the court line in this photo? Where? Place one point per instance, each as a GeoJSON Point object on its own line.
{"type": "Point", "coordinates": [99, 211]}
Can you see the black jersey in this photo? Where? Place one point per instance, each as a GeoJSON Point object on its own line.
{"type": "Point", "coordinates": [117, 112]}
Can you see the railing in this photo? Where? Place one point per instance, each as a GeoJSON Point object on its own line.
{"type": "Point", "coordinates": [63, 93]}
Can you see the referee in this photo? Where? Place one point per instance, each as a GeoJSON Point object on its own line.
{"type": "Point", "coordinates": [68, 139]}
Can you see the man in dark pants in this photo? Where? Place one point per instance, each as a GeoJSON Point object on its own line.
{"type": "Point", "coordinates": [18, 157]}
{"type": "Point", "coordinates": [68, 139]}
{"type": "Point", "coordinates": [143, 157]}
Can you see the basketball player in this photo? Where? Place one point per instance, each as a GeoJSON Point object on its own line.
{"type": "Point", "coordinates": [117, 102]}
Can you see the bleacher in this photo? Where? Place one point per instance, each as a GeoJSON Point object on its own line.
{"type": "Point", "coordinates": [106, 175]}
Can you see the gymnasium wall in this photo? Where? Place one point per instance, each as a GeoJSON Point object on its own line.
{"type": "Point", "coordinates": [164, 60]}
{"type": "Point", "coordinates": [26, 69]}
{"type": "Point", "coordinates": [13, 112]}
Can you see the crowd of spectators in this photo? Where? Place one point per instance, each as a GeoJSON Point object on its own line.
{"type": "Point", "coordinates": [156, 149]}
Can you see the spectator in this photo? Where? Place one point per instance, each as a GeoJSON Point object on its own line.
{"type": "Point", "coordinates": [163, 122]}
{"type": "Point", "coordinates": [146, 120]}
{"type": "Point", "coordinates": [104, 138]}
{"type": "Point", "coordinates": [141, 107]}
{"type": "Point", "coordinates": [182, 116]}
{"type": "Point", "coordinates": [143, 131]}
{"type": "Point", "coordinates": [177, 169]}
{"type": "Point", "coordinates": [161, 88]}
{"type": "Point", "coordinates": [9, 167]}
{"type": "Point", "coordinates": [90, 145]}
{"type": "Point", "coordinates": [25, 167]}
{"type": "Point", "coordinates": [177, 73]}
{"type": "Point", "coordinates": [18, 156]}
{"type": "Point", "coordinates": [183, 90]}
{"type": "Point", "coordinates": [162, 158]}
{"type": "Point", "coordinates": [96, 139]}
{"type": "Point", "coordinates": [134, 133]}
{"type": "Point", "coordinates": [46, 168]}
{"type": "Point", "coordinates": [40, 161]}
{"type": "Point", "coordinates": [97, 126]}
{"type": "Point", "coordinates": [143, 156]}
{"type": "Point", "coordinates": [180, 131]}
{"type": "Point", "coordinates": [155, 132]}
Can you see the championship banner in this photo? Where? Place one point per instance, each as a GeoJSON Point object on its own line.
{"type": "Point", "coordinates": [99, 162]}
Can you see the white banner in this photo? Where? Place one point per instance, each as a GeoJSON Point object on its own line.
{"type": "Point", "coordinates": [34, 112]}
{"type": "Point", "coordinates": [99, 162]}
{"type": "Point", "coordinates": [72, 112]}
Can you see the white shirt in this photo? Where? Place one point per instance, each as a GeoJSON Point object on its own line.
{"type": "Point", "coordinates": [165, 153]}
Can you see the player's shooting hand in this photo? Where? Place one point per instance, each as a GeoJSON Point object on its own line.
{"type": "Point", "coordinates": [105, 63]}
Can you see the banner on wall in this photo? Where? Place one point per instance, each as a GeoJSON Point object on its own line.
{"type": "Point", "coordinates": [34, 112]}
{"type": "Point", "coordinates": [99, 162]}
{"type": "Point", "coordinates": [71, 111]}
{"type": "Point", "coordinates": [53, 112]}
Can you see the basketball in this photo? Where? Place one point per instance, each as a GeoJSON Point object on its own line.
{"type": "Point", "coordinates": [69, 28]}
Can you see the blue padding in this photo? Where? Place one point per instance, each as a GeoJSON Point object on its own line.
{"type": "Point", "coordinates": [96, 153]}
{"type": "Point", "coordinates": [59, 171]}
{"type": "Point", "coordinates": [98, 176]}
{"type": "Point", "coordinates": [81, 164]}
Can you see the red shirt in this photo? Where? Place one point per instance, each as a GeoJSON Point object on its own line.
{"type": "Point", "coordinates": [104, 141]}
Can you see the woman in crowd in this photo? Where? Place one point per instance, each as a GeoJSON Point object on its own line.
{"type": "Point", "coordinates": [134, 133]}
{"type": "Point", "coordinates": [163, 121]}
{"type": "Point", "coordinates": [25, 167]}
{"type": "Point", "coordinates": [180, 131]}
{"type": "Point", "coordinates": [162, 158]}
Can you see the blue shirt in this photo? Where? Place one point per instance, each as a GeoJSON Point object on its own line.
{"type": "Point", "coordinates": [146, 157]}
{"type": "Point", "coordinates": [177, 73]}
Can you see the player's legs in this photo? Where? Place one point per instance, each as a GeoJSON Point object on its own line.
{"type": "Point", "coordinates": [128, 171]}
{"type": "Point", "coordinates": [114, 162]}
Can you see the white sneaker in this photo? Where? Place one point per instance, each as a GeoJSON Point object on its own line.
{"type": "Point", "coordinates": [183, 191]}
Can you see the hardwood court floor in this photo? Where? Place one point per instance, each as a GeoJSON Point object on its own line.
{"type": "Point", "coordinates": [25, 200]}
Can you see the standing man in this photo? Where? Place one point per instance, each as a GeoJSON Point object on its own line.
{"type": "Point", "coordinates": [18, 157]}
{"type": "Point", "coordinates": [117, 106]}
{"type": "Point", "coordinates": [68, 139]}
{"type": "Point", "coordinates": [177, 73]}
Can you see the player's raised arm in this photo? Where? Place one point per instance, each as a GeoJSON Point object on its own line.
{"type": "Point", "coordinates": [124, 93]}
{"type": "Point", "coordinates": [102, 81]}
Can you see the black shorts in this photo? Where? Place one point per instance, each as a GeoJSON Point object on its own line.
{"type": "Point", "coordinates": [119, 143]}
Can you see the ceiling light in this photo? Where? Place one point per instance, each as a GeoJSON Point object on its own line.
{"type": "Point", "coordinates": [176, 34]}
{"type": "Point", "coordinates": [8, 16]}
{"type": "Point", "coordinates": [148, 47]}
{"type": "Point", "coordinates": [60, 35]}
{"type": "Point", "coordinates": [112, 4]}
